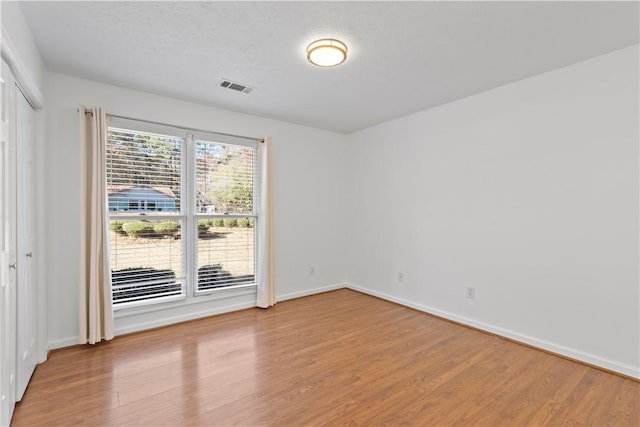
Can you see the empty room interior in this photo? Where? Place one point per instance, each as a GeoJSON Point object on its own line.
{"type": "Point", "coordinates": [320, 213]}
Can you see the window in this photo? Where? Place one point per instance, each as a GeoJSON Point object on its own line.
{"type": "Point", "coordinates": [181, 213]}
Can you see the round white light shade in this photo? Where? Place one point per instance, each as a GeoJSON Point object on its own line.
{"type": "Point", "coordinates": [327, 52]}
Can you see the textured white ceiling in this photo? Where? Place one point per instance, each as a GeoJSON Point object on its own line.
{"type": "Point", "coordinates": [403, 56]}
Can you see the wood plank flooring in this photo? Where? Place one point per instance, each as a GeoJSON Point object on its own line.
{"type": "Point", "coordinates": [339, 358]}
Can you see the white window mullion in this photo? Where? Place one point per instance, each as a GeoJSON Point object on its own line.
{"type": "Point", "coordinates": [256, 203]}
{"type": "Point", "coordinates": [190, 238]}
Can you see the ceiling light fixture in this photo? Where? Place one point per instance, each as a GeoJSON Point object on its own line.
{"type": "Point", "coordinates": [327, 52]}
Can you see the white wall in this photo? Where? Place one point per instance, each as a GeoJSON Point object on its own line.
{"type": "Point", "coordinates": [529, 193]}
{"type": "Point", "coordinates": [307, 182]}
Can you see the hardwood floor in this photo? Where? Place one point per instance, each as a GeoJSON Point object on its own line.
{"type": "Point", "coordinates": [339, 358]}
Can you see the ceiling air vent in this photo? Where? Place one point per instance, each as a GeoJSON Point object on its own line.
{"type": "Point", "coordinates": [238, 87]}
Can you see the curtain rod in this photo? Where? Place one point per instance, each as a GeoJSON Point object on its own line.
{"type": "Point", "coordinates": [86, 111]}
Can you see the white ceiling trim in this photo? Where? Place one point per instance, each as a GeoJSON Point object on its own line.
{"type": "Point", "coordinates": [24, 80]}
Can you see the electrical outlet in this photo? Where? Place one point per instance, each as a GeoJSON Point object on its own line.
{"type": "Point", "coordinates": [471, 292]}
{"type": "Point", "coordinates": [312, 270]}
{"type": "Point", "coordinates": [400, 277]}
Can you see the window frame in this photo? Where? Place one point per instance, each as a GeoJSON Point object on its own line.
{"type": "Point", "coordinates": [188, 216]}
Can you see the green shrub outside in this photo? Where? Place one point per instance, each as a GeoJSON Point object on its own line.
{"type": "Point", "coordinates": [203, 226]}
{"type": "Point", "coordinates": [167, 228]}
{"type": "Point", "coordinates": [251, 221]}
{"type": "Point", "coordinates": [116, 226]}
{"type": "Point", "coordinates": [230, 222]}
{"type": "Point", "coordinates": [218, 222]}
{"type": "Point", "coordinates": [243, 222]}
{"type": "Point", "coordinates": [138, 228]}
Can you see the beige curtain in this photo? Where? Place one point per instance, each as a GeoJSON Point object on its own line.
{"type": "Point", "coordinates": [96, 313]}
{"type": "Point", "coordinates": [266, 296]}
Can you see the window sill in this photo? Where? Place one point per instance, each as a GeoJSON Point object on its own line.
{"type": "Point", "coordinates": [220, 294]}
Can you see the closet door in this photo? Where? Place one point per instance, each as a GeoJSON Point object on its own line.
{"type": "Point", "coordinates": [8, 262]}
{"type": "Point", "coordinates": [26, 296]}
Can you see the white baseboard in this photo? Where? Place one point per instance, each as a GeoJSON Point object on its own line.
{"type": "Point", "coordinates": [307, 292]}
{"type": "Point", "coordinates": [164, 321]}
{"type": "Point", "coordinates": [65, 342]}
{"type": "Point", "coordinates": [591, 359]}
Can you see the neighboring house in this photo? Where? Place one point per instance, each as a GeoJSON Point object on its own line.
{"type": "Point", "coordinates": [141, 198]}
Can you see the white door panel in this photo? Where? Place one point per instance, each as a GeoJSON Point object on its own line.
{"type": "Point", "coordinates": [26, 301]}
{"type": "Point", "coordinates": [8, 237]}
{"type": "Point", "coordinates": [18, 304]}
